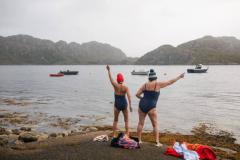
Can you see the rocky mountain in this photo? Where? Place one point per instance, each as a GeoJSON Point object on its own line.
{"type": "Point", "coordinates": [25, 49]}
{"type": "Point", "coordinates": [206, 50]}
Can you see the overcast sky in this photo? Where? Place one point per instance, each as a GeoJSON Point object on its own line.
{"type": "Point", "coordinates": [135, 26]}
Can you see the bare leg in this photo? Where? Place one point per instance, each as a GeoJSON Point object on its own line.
{"type": "Point", "coordinates": [125, 115]}
{"type": "Point", "coordinates": [115, 121]}
{"type": "Point", "coordinates": [142, 117]}
{"type": "Point", "coordinates": [153, 117]}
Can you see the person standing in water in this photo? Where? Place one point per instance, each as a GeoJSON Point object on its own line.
{"type": "Point", "coordinates": [148, 102]}
{"type": "Point", "coordinates": [120, 104]}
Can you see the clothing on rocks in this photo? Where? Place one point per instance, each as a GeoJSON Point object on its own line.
{"type": "Point", "coordinates": [188, 151]}
{"type": "Point", "coordinates": [123, 141]}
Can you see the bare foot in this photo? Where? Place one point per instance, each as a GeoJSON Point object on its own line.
{"type": "Point", "coordinates": [159, 144]}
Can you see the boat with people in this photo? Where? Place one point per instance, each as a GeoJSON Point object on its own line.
{"type": "Point", "coordinates": [68, 72]}
{"type": "Point", "coordinates": [198, 69]}
{"type": "Point", "coordinates": [56, 75]}
{"type": "Point", "coordinates": [141, 72]}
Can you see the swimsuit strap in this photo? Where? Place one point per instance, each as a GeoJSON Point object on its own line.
{"type": "Point", "coordinates": [154, 87]}
{"type": "Point", "coordinates": [145, 86]}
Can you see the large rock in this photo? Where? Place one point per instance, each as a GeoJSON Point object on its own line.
{"type": "Point", "coordinates": [6, 115]}
{"type": "Point", "coordinates": [28, 137]}
{"type": "Point", "coordinates": [12, 137]}
{"type": "Point", "coordinates": [42, 137]}
{"type": "Point", "coordinates": [3, 140]}
{"type": "Point", "coordinates": [2, 131]}
{"type": "Point", "coordinates": [25, 129]}
{"type": "Point", "coordinates": [93, 129]}
{"type": "Point", "coordinates": [53, 135]}
{"type": "Point", "coordinates": [16, 131]}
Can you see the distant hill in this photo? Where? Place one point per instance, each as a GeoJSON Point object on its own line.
{"type": "Point", "coordinates": [25, 49]}
{"type": "Point", "coordinates": [206, 50]}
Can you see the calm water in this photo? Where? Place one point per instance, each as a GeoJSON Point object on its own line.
{"type": "Point", "coordinates": [213, 97]}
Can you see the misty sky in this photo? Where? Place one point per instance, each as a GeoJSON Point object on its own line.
{"type": "Point", "coordinates": [135, 26]}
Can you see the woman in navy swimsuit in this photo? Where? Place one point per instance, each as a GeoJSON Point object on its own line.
{"type": "Point", "coordinates": [120, 104]}
{"type": "Point", "coordinates": [148, 102]}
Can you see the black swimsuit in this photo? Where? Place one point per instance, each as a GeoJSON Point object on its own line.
{"type": "Point", "coordinates": [120, 102]}
{"type": "Point", "coordinates": [149, 100]}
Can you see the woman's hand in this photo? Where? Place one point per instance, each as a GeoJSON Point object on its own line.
{"type": "Point", "coordinates": [108, 68]}
{"type": "Point", "coordinates": [182, 75]}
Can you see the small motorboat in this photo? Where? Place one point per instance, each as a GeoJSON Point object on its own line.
{"type": "Point", "coordinates": [198, 69]}
{"type": "Point", "coordinates": [141, 72]}
{"type": "Point", "coordinates": [56, 75]}
{"type": "Point", "coordinates": [67, 72]}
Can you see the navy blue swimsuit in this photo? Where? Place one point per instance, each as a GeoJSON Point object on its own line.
{"type": "Point", "coordinates": [120, 102]}
{"type": "Point", "coordinates": [149, 100]}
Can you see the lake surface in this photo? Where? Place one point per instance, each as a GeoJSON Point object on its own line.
{"type": "Point", "coordinates": [213, 97]}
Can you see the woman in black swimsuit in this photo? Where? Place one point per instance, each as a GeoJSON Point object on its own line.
{"type": "Point", "coordinates": [120, 104]}
{"type": "Point", "coordinates": [148, 102]}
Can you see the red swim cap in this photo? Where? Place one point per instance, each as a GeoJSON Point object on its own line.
{"type": "Point", "coordinates": [120, 78]}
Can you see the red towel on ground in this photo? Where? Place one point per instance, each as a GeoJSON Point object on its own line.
{"type": "Point", "coordinates": [204, 152]}
{"type": "Point", "coordinates": [172, 152]}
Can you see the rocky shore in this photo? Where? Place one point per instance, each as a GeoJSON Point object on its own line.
{"type": "Point", "coordinates": [18, 132]}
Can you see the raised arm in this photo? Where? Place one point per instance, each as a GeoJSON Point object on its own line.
{"type": "Point", "coordinates": [139, 92]}
{"type": "Point", "coordinates": [169, 82]}
{"type": "Point", "coordinates": [129, 100]}
{"type": "Point", "coordinates": [114, 84]}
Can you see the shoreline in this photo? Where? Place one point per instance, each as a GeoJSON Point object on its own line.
{"type": "Point", "coordinates": [224, 146]}
{"type": "Point", "coordinates": [19, 133]}
{"type": "Point", "coordinates": [25, 138]}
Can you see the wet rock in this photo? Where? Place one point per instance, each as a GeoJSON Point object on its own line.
{"type": "Point", "coordinates": [18, 142]}
{"type": "Point", "coordinates": [8, 132]}
{"type": "Point", "coordinates": [53, 135]}
{"type": "Point", "coordinates": [3, 140]}
{"type": "Point", "coordinates": [3, 136]}
{"type": "Point", "coordinates": [75, 130]}
{"type": "Point", "coordinates": [60, 135]}
{"type": "Point", "coordinates": [62, 123]}
{"type": "Point", "coordinates": [89, 129]}
{"type": "Point", "coordinates": [6, 115]}
{"type": "Point", "coordinates": [65, 133]}
{"type": "Point", "coordinates": [16, 120]}
{"type": "Point", "coordinates": [18, 102]}
{"type": "Point", "coordinates": [12, 137]}
{"type": "Point", "coordinates": [93, 129]}
{"type": "Point", "coordinates": [100, 118]}
{"type": "Point", "coordinates": [25, 129]}
{"type": "Point", "coordinates": [16, 131]}
{"type": "Point", "coordinates": [2, 131]}
{"type": "Point", "coordinates": [42, 137]}
{"type": "Point", "coordinates": [28, 137]}
{"type": "Point", "coordinates": [84, 129]}
{"type": "Point", "coordinates": [227, 150]}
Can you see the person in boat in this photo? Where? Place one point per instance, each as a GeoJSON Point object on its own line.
{"type": "Point", "coordinates": [148, 102]}
{"type": "Point", "coordinates": [120, 104]}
